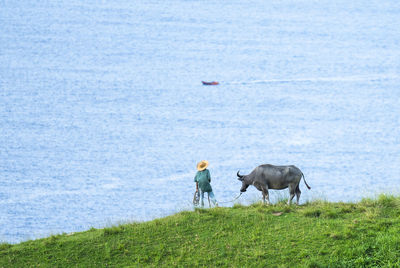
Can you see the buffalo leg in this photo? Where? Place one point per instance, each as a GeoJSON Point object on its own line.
{"type": "Point", "coordinates": [298, 193]}
{"type": "Point", "coordinates": [265, 195]}
{"type": "Point", "coordinates": [292, 191]}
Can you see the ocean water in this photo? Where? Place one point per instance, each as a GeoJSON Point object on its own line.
{"type": "Point", "coordinates": [103, 116]}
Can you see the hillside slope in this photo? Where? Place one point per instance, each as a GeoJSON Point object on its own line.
{"type": "Point", "coordinates": [317, 234]}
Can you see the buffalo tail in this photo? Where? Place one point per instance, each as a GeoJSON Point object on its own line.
{"type": "Point", "coordinates": [304, 178]}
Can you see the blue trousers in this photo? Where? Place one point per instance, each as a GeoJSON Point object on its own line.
{"type": "Point", "coordinates": [210, 195]}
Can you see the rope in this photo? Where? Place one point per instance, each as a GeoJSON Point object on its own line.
{"type": "Point", "coordinates": [232, 200]}
{"type": "Point", "coordinates": [196, 199]}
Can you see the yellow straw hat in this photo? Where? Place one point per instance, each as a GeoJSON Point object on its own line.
{"type": "Point", "coordinates": [202, 165]}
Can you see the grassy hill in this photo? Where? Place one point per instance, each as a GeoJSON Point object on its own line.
{"type": "Point", "coordinates": [317, 234]}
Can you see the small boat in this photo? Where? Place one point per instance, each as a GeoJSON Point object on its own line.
{"type": "Point", "coordinates": [213, 83]}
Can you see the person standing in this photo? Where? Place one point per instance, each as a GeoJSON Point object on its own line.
{"type": "Point", "coordinates": [202, 180]}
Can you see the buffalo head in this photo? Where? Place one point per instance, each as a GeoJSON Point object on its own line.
{"type": "Point", "coordinates": [244, 184]}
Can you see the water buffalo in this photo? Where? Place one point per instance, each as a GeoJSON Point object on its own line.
{"type": "Point", "coordinates": [265, 177]}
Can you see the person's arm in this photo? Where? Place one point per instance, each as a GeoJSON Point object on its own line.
{"type": "Point", "coordinates": [208, 175]}
{"type": "Point", "coordinates": [197, 183]}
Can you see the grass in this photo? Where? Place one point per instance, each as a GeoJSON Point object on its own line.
{"type": "Point", "coordinates": [317, 234]}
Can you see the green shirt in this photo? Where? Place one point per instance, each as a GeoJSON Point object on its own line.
{"type": "Point", "coordinates": [204, 179]}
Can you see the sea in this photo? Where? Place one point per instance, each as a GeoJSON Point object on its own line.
{"type": "Point", "coordinates": [103, 115]}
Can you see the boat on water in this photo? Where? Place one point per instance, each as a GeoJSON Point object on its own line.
{"type": "Point", "coordinates": [213, 83]}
